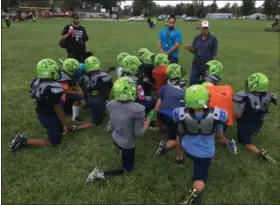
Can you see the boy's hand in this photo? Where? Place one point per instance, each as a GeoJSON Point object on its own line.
{"type": "Point", "coordinates": [81, 94]}
{"type": "Point", "coordinates": [188, 47]}
{"type": "Point", "coordinates": [146, 124]}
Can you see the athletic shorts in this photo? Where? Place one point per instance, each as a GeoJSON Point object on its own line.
{"type": "Point", "coordinates": [170, 125]}
{"type": "Point", "coordinates": [200, 167]}
{"type": "Point", "coordinates": [97, 106]}
{"type": "Point", "coordinates": [54, 128]}
{"type": "Point", "coordinates": [245, 132]}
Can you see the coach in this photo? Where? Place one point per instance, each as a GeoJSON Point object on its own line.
{"type": "Point", "coordinates": [169, 40]}
{"type": "Point", "coordinates": [204, 48]}
{"type": "Point", "coordinates": [74, 38]}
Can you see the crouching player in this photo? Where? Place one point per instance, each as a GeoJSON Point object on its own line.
{"type": "Point", "coordinates": [197, 127]}
{"type": "Point", "coordinates": [98, 85]}
{"type": "Point", "coordinates": [47, 92]}
{"type": "Point", "coordinates": [159, 73]}
{"type": "Point", "coordinates": [71, 100]}
{"type": "Point", "coordinates": [221, 96]}
{"type": "Point", "coordinates": [252, 106]}
{"type": "Point", "coordinates": [127, 119]}
{"type": "Point", "coordinates": [171, 96]}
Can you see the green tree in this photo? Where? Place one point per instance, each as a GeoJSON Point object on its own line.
{"type": "Point", "coordinates": [248, 7]}
{"type": "Point", "coordinates": [214, 7]}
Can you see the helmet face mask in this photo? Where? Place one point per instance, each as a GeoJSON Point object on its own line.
{"type": "Point", "coordinates": [213, 67]}
{"type": "Point", "coordinates": [257, 82]}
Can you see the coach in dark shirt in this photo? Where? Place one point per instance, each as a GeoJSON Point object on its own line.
{"type": "Point", "coordinates": [74, 38]}
{"type": "Point", "coordinates": [204, 48]}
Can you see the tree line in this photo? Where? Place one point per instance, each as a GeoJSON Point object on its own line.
{"type": "Point", "coordinates": [150, 8]}
{"type": "Point", "coordinates": [197, 8]}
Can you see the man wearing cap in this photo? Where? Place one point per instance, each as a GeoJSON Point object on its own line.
{"type": "Point", "coordinates": [74, 38]}
{"type": "Point", "coordinates": [204, 48]}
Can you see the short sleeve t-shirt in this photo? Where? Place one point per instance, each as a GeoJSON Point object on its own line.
{"type": "Point", "coordinates": [171, 98]}
{"type": "Point", "coordinates": [75, 43]}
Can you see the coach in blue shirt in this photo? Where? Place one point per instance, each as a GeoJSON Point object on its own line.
{"type": "Point", "coordinates": [169, 40]}
{"type": "Point", "coordinates": [204, 48]}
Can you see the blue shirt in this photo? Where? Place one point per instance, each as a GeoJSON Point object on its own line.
{"type": "Point", "coordinates": [169, 38]}
{"type": "Point", "coordinates": [201, 146]}
{"type": "Point", "coordinates": [204, 50]}
{"type": "Point", "coordinates": [171, 98]}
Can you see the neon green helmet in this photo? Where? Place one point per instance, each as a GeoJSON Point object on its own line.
{"type": "Point", "coordinates": [141, 52]}
{"type": "Point", "coordinates": [257, 82]}
{"type": "Point", "coordinates": [161, 59]}
{"type": "Point", "coordinates": [174, 71]}
{"type": "Point", "coordinates": [120, 58]}
{"type": "Point", "coordinates": [124, 89]}
{"type": "Point", "coordinates": [131, 64]}
{"type": "Point", "coordinates": [205, 84]}
{"type": "Point", "coordinates": [92, 64]}
{"type": "Point", "coordinates": [214, 67]}
{"type": "Point", "coordinates": [47, 69]}
{"type": "Point", "coordinates": [70, 66]}
{"type": "Point", "coordinates": [196, 97]}
{"type": "Point", "coordinates": [148, 58]}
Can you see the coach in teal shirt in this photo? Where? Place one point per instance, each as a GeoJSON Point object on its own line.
{"type": "Point", "coordinates": [169, 40]}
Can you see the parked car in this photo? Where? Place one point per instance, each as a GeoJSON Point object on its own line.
{"type": "Point", "coordinates": [190, 18]}
{"type": "Point", "coordinates": [161, 17]}
{"type": "Point", "coordinates": [136, 19]}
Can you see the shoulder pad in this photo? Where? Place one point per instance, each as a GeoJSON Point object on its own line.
{"type": "Point", "coordinates": [139, 108]}
{"type": "Point", "coordinates": [179, 114]}
{"type": "Point", "coordinates": [240, 96]}
{"type": "Point", "coordinates": [220, 114]}
{"type": "Point", "coordinates": [273, 98]}
{"type": "Point", "coordinates": [64, 77]}
{"type": "Point", "coordinates": [212, 79]}
{"type": "Point", "coordinates": [56, 88]}
{"type": "Point", "coordinates": [105, 77]}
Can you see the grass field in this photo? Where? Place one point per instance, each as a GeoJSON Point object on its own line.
{"type": "Point", "coordinates": [57, 175]}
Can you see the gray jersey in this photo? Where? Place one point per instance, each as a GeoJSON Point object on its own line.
{"type": "Point", "coordinates": [127, 122]}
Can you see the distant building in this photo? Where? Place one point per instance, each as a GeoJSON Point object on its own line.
{"type": "Point", "coordinates": [257, 16]}
{"type": "Point", "coordinates": [219, 16]}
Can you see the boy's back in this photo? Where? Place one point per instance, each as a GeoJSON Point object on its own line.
{"type": "Point", "coordinates": [127, 122]}
{"type": "Point", "coordinates": [160, 76]}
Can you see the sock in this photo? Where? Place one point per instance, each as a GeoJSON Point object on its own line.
{"type": "Point", "coordinates": [76, 111]}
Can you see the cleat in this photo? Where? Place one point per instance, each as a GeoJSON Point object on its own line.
{"type": "Point", "coordinates": [193, 195]}
{"type": "Point", "coordinates": [18, 141]}
{"type": "Point", "coordinates": [74, 129]}
{"type": "Point", "coordinates": [266, 156]}
{"type": "Point", "coordinates": [179, 162]}
{"type": "Point", "coordinates": [96, 174]}
{"type": "Point", "coordinates": [161, 149]}
{"type": "Point", "coordinates": [232, 146]}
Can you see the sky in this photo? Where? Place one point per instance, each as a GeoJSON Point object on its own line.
{"type": "Point", "coordinates": [219, 3]}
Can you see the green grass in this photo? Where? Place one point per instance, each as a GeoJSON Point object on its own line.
{"type": "Point", "coordinates": [57, 175]}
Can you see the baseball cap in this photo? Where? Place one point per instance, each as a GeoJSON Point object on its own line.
{"type": "Point", "coordinates": [204, 24]}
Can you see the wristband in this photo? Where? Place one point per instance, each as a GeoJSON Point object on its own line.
{"type": "Point", "coordinates": [151, 115]}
